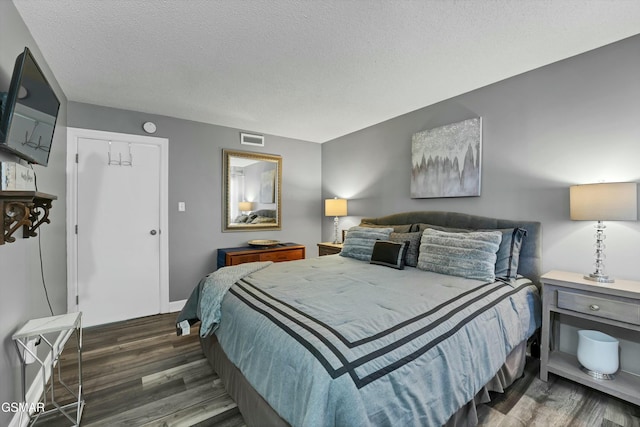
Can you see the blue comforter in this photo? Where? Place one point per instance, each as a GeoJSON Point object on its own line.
{"type": "Point", "coordinates": [335, 341]}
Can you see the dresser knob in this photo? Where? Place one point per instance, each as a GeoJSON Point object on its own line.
{"type": "Point", "coordinates": [594, 307]}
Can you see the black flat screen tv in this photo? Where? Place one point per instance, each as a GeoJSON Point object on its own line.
{"type": "Point", "coordinates": [29, 112]}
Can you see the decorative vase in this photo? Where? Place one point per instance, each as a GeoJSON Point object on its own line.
{"type": "Point", "coordinates": [598, 354]}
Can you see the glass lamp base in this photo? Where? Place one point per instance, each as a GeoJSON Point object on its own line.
{"type": "Point", "coordinates": [601, 278]}
{"type": "Point", "coordinates": [597, 375]}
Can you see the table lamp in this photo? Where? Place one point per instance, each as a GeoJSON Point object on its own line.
{"type": "Point", "coordinates": [245, 206]}
{"type": "Point", "coordinates": [335, 207]}
{"type": "Point", "coordinates": [616, 201]}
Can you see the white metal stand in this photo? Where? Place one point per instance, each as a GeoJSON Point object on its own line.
{"type": "Point", "coordinates": [64, 325]}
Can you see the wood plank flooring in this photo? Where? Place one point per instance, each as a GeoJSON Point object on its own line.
{"type": "Point", "coordinates": [557, 403]}
{"type": "Point", "coordinates": [139, 373]}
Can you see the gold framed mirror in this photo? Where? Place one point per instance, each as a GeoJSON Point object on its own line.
{"type": "Point", "coordinates": [251, 196]}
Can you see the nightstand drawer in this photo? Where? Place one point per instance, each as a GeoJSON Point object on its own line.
{"type": "Point", "coordinates": [322, 251]}
{"type": "Point", "coordinates": [329, 248]}
{"type": "Point", "coordinates": [602, 307]}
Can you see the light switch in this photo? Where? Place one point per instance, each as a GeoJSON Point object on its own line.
{"type": "Point", "coordinates": [181, 207]}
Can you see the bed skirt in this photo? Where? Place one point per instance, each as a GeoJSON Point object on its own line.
{"type": "Point", "coordinates": [257, 412]}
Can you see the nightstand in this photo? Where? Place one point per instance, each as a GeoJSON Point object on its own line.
{"type": "Point", "coordinates": [328, 248]}
{"type": "Point", "coordinates": [614, 306]}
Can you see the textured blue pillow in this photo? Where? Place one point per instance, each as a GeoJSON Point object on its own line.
{"type": "Point", "coordinates": [359, 241]}
{"type": "Point", "coordinates": [508, 256]}
{"type": "Point", "coordinates": [471, 255]}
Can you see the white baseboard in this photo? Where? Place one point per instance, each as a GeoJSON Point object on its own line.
{"type": "Point", "coordinates": [176, 305]}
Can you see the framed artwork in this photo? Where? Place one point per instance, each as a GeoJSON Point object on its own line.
{"type": "Point", "coordinates": [446, 161]}
{"type": "Point", "coordinates": [267, 186]}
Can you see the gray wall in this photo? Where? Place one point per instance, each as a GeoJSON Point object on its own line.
{"type": "Point", "coordinates": [195, 177]}
{"type": "Point", "coordinates": [21, 292]}
{"type": "Point", "coordinates": [571, 122]}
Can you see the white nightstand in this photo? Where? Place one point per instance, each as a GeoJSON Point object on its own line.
{"type": "Point", "coordinates": [62, 327]}
{"type": "Point", "coordinates": [615, 304]}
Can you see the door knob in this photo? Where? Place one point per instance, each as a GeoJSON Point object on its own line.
{"type": "Point", "coordinates": [153, 232]}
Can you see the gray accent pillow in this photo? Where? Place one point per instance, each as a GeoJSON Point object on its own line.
{"type": "Point", "coordinates": [471, 255]}
{"type": "Point", "coordinates": [414, 245]}
{"type": "Point", "coordinates": [508, 256]}
{"type": "Point", "coordinates": [263, 220]}
{"type": "Point", "coordinates": [359, 241]}
{"type": "Point", "coordinates": [241, 218]}
{"type": "Point", "coordinates": [402, 228]}
{"type": "Point", "coordinates": [420, 227]}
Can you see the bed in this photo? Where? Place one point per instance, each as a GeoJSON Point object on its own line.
{"type": "Point", "coordinates": [338, 340]}
{"type": "Point", "coordinates": [262, 216]}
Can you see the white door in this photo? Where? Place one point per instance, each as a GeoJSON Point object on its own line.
{"type": "Point", "coordinates": [118, 241]}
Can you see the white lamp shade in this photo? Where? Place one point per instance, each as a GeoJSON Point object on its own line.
{"type": "Point", "coordinates": [617, 201]}
{"type": "Point", "coordinates": [335, 207]}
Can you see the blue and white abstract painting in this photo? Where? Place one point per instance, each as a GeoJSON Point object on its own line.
{"type": "Point", "coordinates": [446, 160]}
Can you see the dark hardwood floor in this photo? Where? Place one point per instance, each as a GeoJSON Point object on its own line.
{"type": "Point", "coordinates": [139, 373]}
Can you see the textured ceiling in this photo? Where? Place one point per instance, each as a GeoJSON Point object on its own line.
{"type": "Point", "coordinates": [312, 70]}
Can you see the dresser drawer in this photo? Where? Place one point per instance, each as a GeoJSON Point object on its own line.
{"type": "Point", "coordinates": [241, 259]}
{"type": "Point", "coordinates": [617, 309]}
{"type": "Point", "coordinates": [280, 256]}
{"type": "Point", "coordinates": [278, 253]}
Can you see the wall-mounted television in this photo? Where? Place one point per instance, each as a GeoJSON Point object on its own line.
{"type": "Point", "coordinates": [29, 112]}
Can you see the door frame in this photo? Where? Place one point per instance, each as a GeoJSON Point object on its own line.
{"type": "Point", "coordinates": [73, 134]}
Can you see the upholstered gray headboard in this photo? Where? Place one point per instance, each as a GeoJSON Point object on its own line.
{"type": "Point", "coordinates": [530, 254]}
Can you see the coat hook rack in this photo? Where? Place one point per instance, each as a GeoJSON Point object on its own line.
{"type": "Point", "coordinates": [119, 162]}
{"type": "Point", "coordinates": [35, 145]}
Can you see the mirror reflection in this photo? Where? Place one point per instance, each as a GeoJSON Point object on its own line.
{"type": "Point", "coordinates": [252, 191]}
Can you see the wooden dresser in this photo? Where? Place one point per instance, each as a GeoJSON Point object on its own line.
{"type": "Point", "coordinates": [277, 253]}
